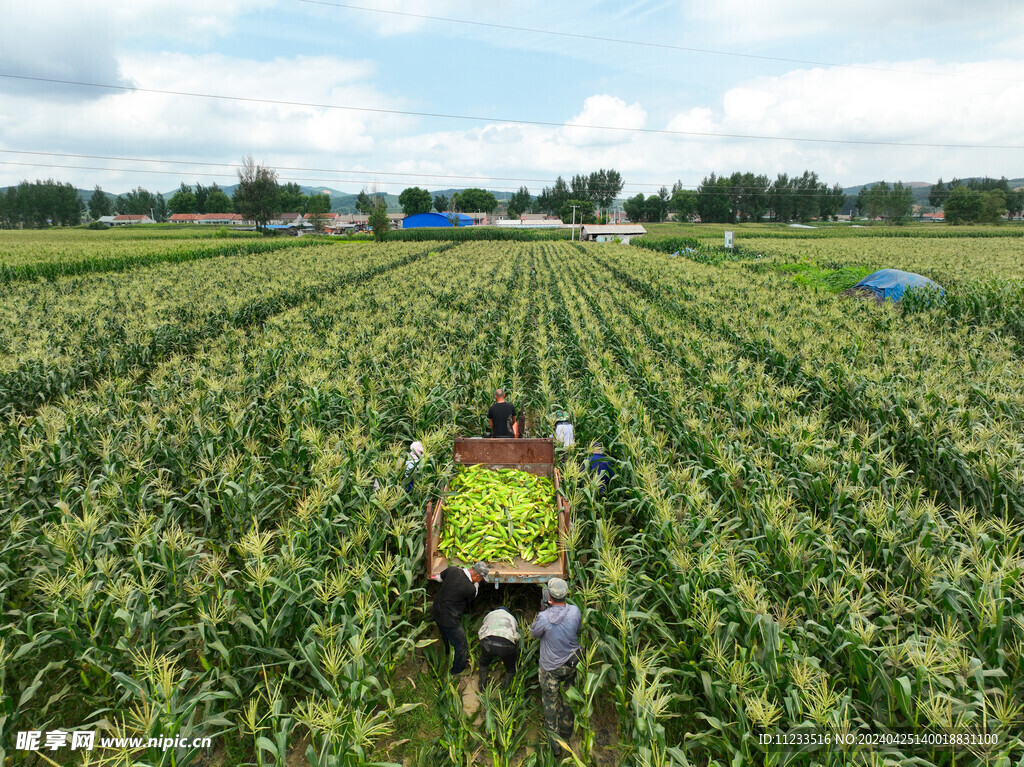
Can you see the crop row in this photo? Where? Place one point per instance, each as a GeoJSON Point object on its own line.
{"type": "Point", "coordinates": [813, 522]}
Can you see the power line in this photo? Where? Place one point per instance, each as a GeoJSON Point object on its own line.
{"type": "Point", "coordinates": [647, 44]}
{"type": "Point", "coordinates": [474, 118]}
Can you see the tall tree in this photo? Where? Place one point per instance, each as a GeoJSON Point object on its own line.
{"type": "Point", "coordinates": [655, 207]}
{"type": "Point", "coordinates": [995, 205]}
{"type": "Point", "coordinates": [603, 187]}
{"type": "Point", "coordinates": [256, 194]}
{"type": "Point", "coordinates": [683, 203]}
{"type": "Point", "coordinates": [713, 202]}
{"type": "Point", "coordinates": [441, 203]}
{"type": "Point", "coordinates": [161, 208]}
{"type": "Point", "coordinates": [474, 199]}
{"type": "Point", "coordinates": [99, 204]}
{"type": "Point", "coordinates": [364, 202]}
{"type": "Point", "coordinates": [833, 202]}
{"type": "Point", "coordinates": [584, 213]}
{"type": "Point", "coordinates": [635, 209]}
{"type": "Point", "coordinates": [137, 202]}
{"type": "Point", "coordinates": [552, 199]}
{"type": "Point", "coordinates": [415, 200]}
{"type": "Point", "coordinates": [317, 208]}
{"type": "Point", "coordinates": [202, 193]}
{"type": "Point", "coordinates": [900, 203]}
{"type": "Point", "coordinates": [291, 199]}
{"type": "Point", "coordinates": [963, 206]}
{"type": "Point", "coordinates": [1015, 202]}
{"type": "Point", "coordinates": [216, 201]}
{"type": "Point", "coordinates": [519, 202]}
{"type": "Point", "coordinates": [378, 219]}
{"type": "Point", "coordinates": [183, 200]}
{"type": "Point", "coordinates": [579, 187]}
{"type": "Point", "coordinates": [892, 203]}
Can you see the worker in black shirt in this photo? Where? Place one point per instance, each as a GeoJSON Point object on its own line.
{"type": "Point", "coordinates": [459, 586]}
{"type": "Point", "coordinates": [502, 417]}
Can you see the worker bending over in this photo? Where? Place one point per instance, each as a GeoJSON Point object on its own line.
{"type": "Point", "coordinates": [499, 638]}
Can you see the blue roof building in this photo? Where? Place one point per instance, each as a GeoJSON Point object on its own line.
{"type": "Point", "coordinates": [435, 219]}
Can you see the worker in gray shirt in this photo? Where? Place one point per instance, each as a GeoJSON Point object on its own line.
{"type": "Point", "coordinates": [557, 627]}
{"type": "Point", "coordinates": [499, 638]}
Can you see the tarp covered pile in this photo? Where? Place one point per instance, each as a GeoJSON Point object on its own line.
{"type": "Point", "coordinates": [891, 284]}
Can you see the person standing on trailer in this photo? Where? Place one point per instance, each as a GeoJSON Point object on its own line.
{"type": "Point", "coordinates": [502, 416]}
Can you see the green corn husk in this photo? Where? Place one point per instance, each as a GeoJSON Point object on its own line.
{"type": "Point", "coordinates": [499, 515]}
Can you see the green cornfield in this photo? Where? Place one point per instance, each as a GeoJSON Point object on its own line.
{"type": "Point", "coordinates": [810, 552]}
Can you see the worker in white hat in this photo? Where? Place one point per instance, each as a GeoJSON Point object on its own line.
{"type": "Point", "coordinates": [415, 453]}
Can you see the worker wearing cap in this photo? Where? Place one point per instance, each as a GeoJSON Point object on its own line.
{"type": "Point", "coordinates": [564, 432]}
{"type": "Point", "coordinates": [557, 627]}
{"type": "Point", "coordinates": [499, 638]}
{"type": "Point", "coordinates": [599, 465]}
{"type": "Point", "coordinates": [459, 586]}
{"type": "Point", "coordinates": [415, 453]}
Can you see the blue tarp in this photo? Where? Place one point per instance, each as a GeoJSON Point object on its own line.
{"type": "Point", "coordinates": [434, 219]}
{"type": "Point", "coordinates": [891, 284]}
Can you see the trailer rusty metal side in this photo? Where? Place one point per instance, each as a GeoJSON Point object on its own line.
{"type": "Point", "coordinates": [536, 456]}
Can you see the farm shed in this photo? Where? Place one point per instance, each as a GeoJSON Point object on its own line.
{"type": "Point", "coordinates": [611, 232]}
{"type": "Point", "coordinates": [434, 219]}
{"type": "Point", "coordinates": [130, 220]}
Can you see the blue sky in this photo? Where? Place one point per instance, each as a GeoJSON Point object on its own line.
{"type": "Point", "coordinates": [899, 74]}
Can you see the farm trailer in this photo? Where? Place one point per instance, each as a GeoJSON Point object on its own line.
{"type": "Point", "coordinates": [536, 456]}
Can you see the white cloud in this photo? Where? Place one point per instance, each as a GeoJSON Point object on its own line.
{"type": "Point", "coordinates": [743, 21]}
{"type": "Point", "coordinates": [59, 43]}
{"type": "Point", "coordinates": [81, 42]}
{"type": "Point", "coordinates": [183, 19]}
{"type": "Point", "coordinates": [400, 17]}
{"type": "Point", "coordinates": [605, 111]}
{"type": "Point", "coordinates": [969, 107]}
{"type": "Point", "coordinates": [175, 127]}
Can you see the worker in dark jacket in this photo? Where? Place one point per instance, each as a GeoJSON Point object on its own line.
{"type": "Point", "coordinates": [557, 627]}
{"type": "Point", "coordinates": [459, 586]}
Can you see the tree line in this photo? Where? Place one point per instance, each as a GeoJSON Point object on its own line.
{"type": "Point", "coordinates": [742, 197]}
{"type": "Point", "coordinates": [584, 197]}
{"type": "Point", "coordinates": [976, 200]}
{"type": "Point", "coordinates": [587, 198]}
{"type": "Point", "coordinates": [39, 204]}
{"type": "Point", "coordinates": [415, 200]}
{"type": "Point", "coordinates": [258, 197]}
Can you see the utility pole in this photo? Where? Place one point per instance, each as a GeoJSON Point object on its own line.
{"type": "Point", "coordinates": [572, 233]}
